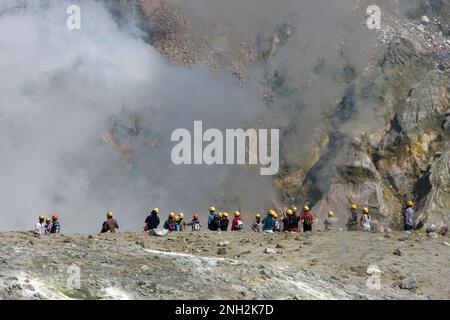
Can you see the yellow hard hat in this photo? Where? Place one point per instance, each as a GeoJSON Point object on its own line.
{"type": "Point", "coordinates": [305, 208]}
{"type": "Point", "coordinates": [330, 214]}
{"type": "Point", "coordinates": [237, 213]}
{"type": "Point", "coordinates": [354, 206]}
{"type": "Point", "coordinates": [258, 216]}
{"type": "Point", "coordinates": [275, 215]}
{"type": "Point", "coordinates": [181, 215]}
{"type": "Point", "coordinates": [177, 218]}
{"type": "Point", "coordinates": [290, 212]}
{"type": "Point", "coordinates": [220, 214]}
{"type": "Point", "coordinates": [41, 217]}
{"type": "Point", "coordinates": [171, 215]}
{"type": "Point", "coordinates": [212, 209]}
{"type": "Point", "coordinates": [294, 209]}
{"type": "Point", "coordinates": [156, 210]}
{"type": "Point", "coordinates": [109, 214]}
{"type": "Point", "coordinates": [48, 219]}
{"type": "Point", "coordinates": [271, 213]}
{"type": "Point", "coordinates": [366, 210]}
{"type": "Point", "coordinates": [225, 214]}
{"type": "Point", "coordinates": [409, 203]}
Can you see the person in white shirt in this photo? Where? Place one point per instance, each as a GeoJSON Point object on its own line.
{"type": "Point", "coordinates": [365, 220]}
{"type": "Point", "coordinates": [40, 226]}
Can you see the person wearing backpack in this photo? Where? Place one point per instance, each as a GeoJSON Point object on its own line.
{"type": "Point", "coordinates": [224, 222]}
{"type": "Point", "coordinates": [219, 219]}
{"type": "Point", "coordinates": [269, 222]}
{"type": "Point", "coordinates": [277, 226]}
{"type": "Point", "coordinates": [110, 225]}
{"type": "Point", "coordinates": [195, 223]}
{"type": "Point", "coordinates": [170, 222]}
{"type": "Point", "coordinates": [213, 220]}
{"type": "Point", "coordinates": [409, 216]}
{"type": "Point", "coordinates": [291, 221]}
{"type": "Point", "coordinates": [181, 222]}
{"type": "Point", "coordinates": [330, 222]}
{"type": "Point", "coordinates": [257, 225]}
{"type": "Point", "coordinates": [237, 223]}
{"type": "Point", "coordinates": [152, 220]}
{"type": "Point", "coordinates": [177, 223]}
{"type": "Point", "coordinates": [352, 224]}
{"type": "Point", "coordinates": [55, 226]}
{"type": "Point", "coordinates": [307, 219]}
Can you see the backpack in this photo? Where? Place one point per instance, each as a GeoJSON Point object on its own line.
{"type": "Point", "coordinates": [55, 227]}
{"type": "Point", "coordinates": [224, 225]}
{"type": "Point", "coordinates": [196, 226]}
{"type": "Point", "coordinates": [307, 220]}
{"type": "Point", "coordinates": [214, 224]}
{"type": "Point", "coordinates": [354, 217]}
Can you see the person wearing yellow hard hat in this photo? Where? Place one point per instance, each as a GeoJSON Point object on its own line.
{"type": "Point", "coordinates": [177, 223]}
{"type": "Point", "coordinates": [220, 218]}
{"type": "Point", "coordinates": [409, 216]}
{"type": "Point", "coordinates": [213, 220]}
{"type": "Point", "coordinates": [110, 225]}
{"type": "Point", "coordinates": [39, 227]}
{"type": "Point", "coordinates": [169, 224]}
{"type": "Point", "coordinates": [257, 225]}
{"type": "Point", "coordinates": [352, 224]}
{"type": "Point", "coordinates": [152, 221]}
{"type": "Point", "coordinates": [291, 221]}
{"type": "Point", "coordinates": [307, 219]}
{"type": "Point", "coordinates": [269, 221]}
{"type": "Point", "coordinates": [330, 222]}
{"type": "Point", "coordinates": [48, 222]}
{"type": "Point", "coordinates": [237, 224]}
{"type": "Point", "coordinates": [181, 222]}
{"type": "Point", "coordinates": [277, 227]}
{"type": "Point", "coordinates": [224, 222]}
{"type": "Point", "coordinates": [365, 220]}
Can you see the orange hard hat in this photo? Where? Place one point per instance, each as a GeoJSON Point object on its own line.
{"type": "Point", "coordinates": [55, 217]}
{"type": "Point", "coordinates": [196, 216]}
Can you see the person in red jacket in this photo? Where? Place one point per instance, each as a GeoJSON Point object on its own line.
{"type": "Point", "coordinates": [307, 219]}
{"type": "Point", "coordinates": [237, 223]}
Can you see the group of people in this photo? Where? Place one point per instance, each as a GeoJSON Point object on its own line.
{"type": "Point", "coordinates": [290, 220]}
{"type": "Point", "coordinates": [47, 225]}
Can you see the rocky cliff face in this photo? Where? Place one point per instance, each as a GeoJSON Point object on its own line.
{"type": "Point", "coordinates": [377, 135]}
{"type": "Point", "coordinates": [383, 140]}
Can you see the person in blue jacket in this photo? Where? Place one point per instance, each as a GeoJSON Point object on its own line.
{"type": "Point", "coordinates": [213, 220]}
{"type": "Point", "coordinates": [152, 220]}
{"type": "Point", "coordinates": [269, 221]}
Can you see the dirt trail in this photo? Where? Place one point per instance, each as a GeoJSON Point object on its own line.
{"type": "Point", "coordinates": [225, 265]}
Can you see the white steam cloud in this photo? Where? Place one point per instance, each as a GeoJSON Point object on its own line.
{"type": "Point", "coordinates": [62, 90]}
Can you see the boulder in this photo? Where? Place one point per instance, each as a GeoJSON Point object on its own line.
{"type": "Point", "coordinates": [223, 243]}
{"type": "Point", "coordinates": [159, 232]}
{"type": "Point", "coordinates": [409, 283]}
{"type": "Point", "coordinates": [425, 20]}
{"type": "Point", "coordinates": [222, 251]}
{"type": "Point", "coordinates": [433, 235]}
